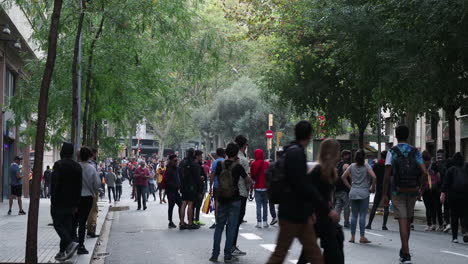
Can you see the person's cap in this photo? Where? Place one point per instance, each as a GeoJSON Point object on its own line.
{"type": "Point", "coordinates": [18, 158]}
{"type": "Point", "coordinates": [67, 149]}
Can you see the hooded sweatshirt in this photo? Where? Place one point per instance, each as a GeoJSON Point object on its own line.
{"type": "Point", "coordinates": [257, 170]}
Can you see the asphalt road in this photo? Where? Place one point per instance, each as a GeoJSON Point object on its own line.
{"type": "Point", "coordinates": [143, 237]}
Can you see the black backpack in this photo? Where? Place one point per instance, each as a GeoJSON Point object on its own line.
{"type": "Point", "coordinates": [407, 174]}
{"type": "Point", "coordinates": [275, 177]}
{"type": "Point", "coordinates": [460, 179]}
{"type": "Point", "coordinates": [226, 187]}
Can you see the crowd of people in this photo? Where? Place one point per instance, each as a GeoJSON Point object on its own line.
{"type": "Point", "coordinates": [310, 196]}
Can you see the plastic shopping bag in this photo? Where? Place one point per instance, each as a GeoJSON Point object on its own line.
{"type": "Point", "coordinates": [207, 204]}
{"type": "Point", "coordinates": [212, 204]}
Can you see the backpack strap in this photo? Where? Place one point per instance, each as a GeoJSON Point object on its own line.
{"type": "Point", "coordinates": [397, 151]}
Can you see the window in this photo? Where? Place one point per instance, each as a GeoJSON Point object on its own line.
{"type": "Point", "coordinates": [10, 83]}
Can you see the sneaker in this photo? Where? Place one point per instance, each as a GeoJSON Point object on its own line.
{"type": "Point", "coordinates": [230, 259]}
{"type": "Point", "coordinates": [92, 235]}
{"type": "Point", "coordinates": [213, 226]}
{"type": "Point", "coordinates": [172, 225]}
{"type": "Point", "coordinates": [144, 208]}
{"type": "Point", "coordinates": [265, 225]}
{"type": "Point", "coordinates": [441, 228]}
{"type": "Point", "coordinates": [259, 225]}
{"type": "Point", "coordinates": [368, 227]}
{"type": "Point", "coordinates": [244, 221]}
{"type": "Point", "coordinates": [428, 228]}
{"type": "Point", "coordinates": [60, 256]}
{"type": "Point", "coordinates": [21, 212]}
{"type": "Point", "coordinates": [455, 241]}
{"type": "Point", "coordinates": [82, 250]}
{"type": "Point", "coordinates": [214, 259]}
{"type": "Point", "coordinates": [405, 259]}
{"type": "Point", "coordinates": [71, 249]}
{"type": "Point", "coordinates": [200, 223]}
{"type": "Point", "coordinates": [433, 227]}
{"type": "Point", "coordinates": [183, 226]}
{"type": "Point", "coordinates": [465, 238]}
{"type": "Point", "coordinates": [346, 225]}
{"type": "Point", "coordinates": [447, 228]}
{"type": "Point", "coordinates": [237, 252]}
{"type": "Point", "coordinates": [193, 227]}
{"type": "Point", "coordinates": [9, 212]}
{"type": "Point", "coordinates": [274, 221]}
{"type": "Point", "coordinates": [384, 228]}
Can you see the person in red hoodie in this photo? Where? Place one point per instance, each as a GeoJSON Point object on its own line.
{"type": "Point", "coordinates": [257, 172]}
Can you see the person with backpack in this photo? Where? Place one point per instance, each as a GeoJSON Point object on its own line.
{"type": "Point", "coordinates": [341, 191]}
{"type": "Point", "coordinates": [455, 189]}
{"type": "Point", "coordinates": [190, 177]}
{"type": "Point", "coordinates": [220, 156]}
{"type": "Point", "coordinates": [229, 202]}
{"type": "Point", "coordinates": [405, 165]}
{"type": "Point", "coordinates": [257, 170]}
{"type": "Point", "coordinates": [431, 195]}
{"type": "Point", "coordinates": [379, 170]}
{"type": "Point", "coordinates": [172, 182]}
{"type": "Point", "coordinates": [324, 177]}
{"type": "Point", "coordinates": [289, 185]}
{"type": "Point", "coordinates": [361, 175]}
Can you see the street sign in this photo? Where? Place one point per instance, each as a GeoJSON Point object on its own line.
{"type": "Point", "coordinates": [269, 134]}
{"type": "Point", "coordinates": [270, 120]}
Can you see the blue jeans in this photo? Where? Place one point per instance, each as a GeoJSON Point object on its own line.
{"type": "Point", "coordinates": [359, 208]}
{"type": "Point", "coordinates": [261, 198]}
{"type": "Point", "coordinates": [227, 215]}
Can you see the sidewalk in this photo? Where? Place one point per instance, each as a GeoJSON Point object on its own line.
{"type": "Point", "coordinates": [13, 234]}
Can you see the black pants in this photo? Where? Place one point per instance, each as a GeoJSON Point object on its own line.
{"type": "Point", "coordinates": [63, 224]}
{"type": "Point", "coordinates": [174, 198]}
{"type": "Point", "coordinates": [241, 218]}
{"type": "Point", "coordinates": [109, 189]}
{"type": "Point", "coordinates": [118, 192]}
{"type": "Point", "coordinates": [141, 195]}
{"type": "Point", "coordinates": [86, 202]}
{"type": "Point", "coordinates": [376, 203]}
{"type": "Point", "coordinates": [197, 207]}
{"type": "Point", "coordinates": [446, 211]}
{"type": "Point", "coordinates": [331, 240]}
{"type": "Point", "coordinates": [459, 212]}
{"type": "Point", "coordinates": [431, 200]}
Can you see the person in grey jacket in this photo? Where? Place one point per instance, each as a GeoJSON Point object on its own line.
{"type": "Point", "coordinates": [90, 187]}
{"type": "Point", "coordinates": [110, 180]}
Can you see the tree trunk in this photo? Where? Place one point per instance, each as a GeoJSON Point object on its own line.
{"type": "Point", "coordinates": [451, 127]}
{"type": "Point", "coordinates": [361, 136]}
{"type": "Point", "coordinates": [86, 115]}
{"type": "Point", "coordinates": [76, 79]}
{"type": "Point", "coordinates": [411, 123]}
{"type": "Point", "coordinates": [161, 147]}
{"type": "Point", "coordinates": [95, 134]}
{"type": "Point", "coordinates": [33, 213]}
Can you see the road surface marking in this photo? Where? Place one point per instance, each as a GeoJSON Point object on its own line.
{"type": "Point", "coordinates": [269, 247]}
{"type": "Point", "coordinates": [250, 236]}
{"type": "Point", "coordinates": [454, 253]}
{"type": "Point", "coordinates": [374, 234]}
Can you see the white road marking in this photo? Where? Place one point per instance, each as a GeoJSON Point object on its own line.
{"type": "Point", "coordinates": [454, 253]}
{"type": "Point", "coordinates": [374, 234]}
{"type": "Point", "coordinates": [250, 236]}
{"type": "Point", "coordinates": [269, 247]}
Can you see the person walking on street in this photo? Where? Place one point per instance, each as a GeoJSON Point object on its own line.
{"type": "Point", "coordinates": [172, 183]}
{"type": "Point", "coordinates": [379, 170]}
{"type": "Point", "coordinates": [455, 188]}
{"type": "Point", "coordinates": [118, 185]}
{"type": "Point", "coordinates": [442, 166]}
{"type": "Point", "coordinates": [92, 218]}
{"type": "Point", "coordinates": [341, 191]}
{"type": "Point", "coordinates": [89, 188]}
{"type": "Point", "coordinates": [257, 170]}
{"type": "Point", "coordinates": [324, 177]}
{"type": "Point", "coordinates": [361, 174]}
{"type": "Point", "coordinates": [47, 182]}
{"type": "Point", "coordinates": [229, 202]}
{"type": "Point", "coordinates": [16, 186]}
{"type": "Point", "coordinates": [200, 189]}
{"type": "Point", "coordinates": [65, 194]}
{"type": "Point", "coordinates": [141, 176]}
{"type": "Point", "coordinates": [160, 176]}
{"type": "Point", "coordinates": [110, 180]}
{"type": "Point", "coordinates": [190, 177]}
{"type": "Point", "coordinates": [297, 200]}
{"type": "Point", "coordinates": [430, 193]}
{"type": "Point", "coordinates": [151, 184]}
{"type": "Point", "coordinates": [220, 156]}
{"type": "Point", "coordinates": [405, 165]}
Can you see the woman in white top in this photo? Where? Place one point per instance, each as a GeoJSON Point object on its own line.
{"type": "Point", "coordinates": [361, 175]}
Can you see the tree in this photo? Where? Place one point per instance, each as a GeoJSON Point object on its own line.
{"type": "Point", "coordinates": [31, 237]}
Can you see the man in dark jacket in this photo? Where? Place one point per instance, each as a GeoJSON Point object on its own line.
{"type": "Point", "coordinates": [172, 183]}
{"type": "Point", "coordinates": [47, 176]}
{"type": "Point", "coordinates": [297, 205]}
{"type": "Point", "coordinates": [65, 198]}
{"type": "Point", "coordinates": [190, 178]}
